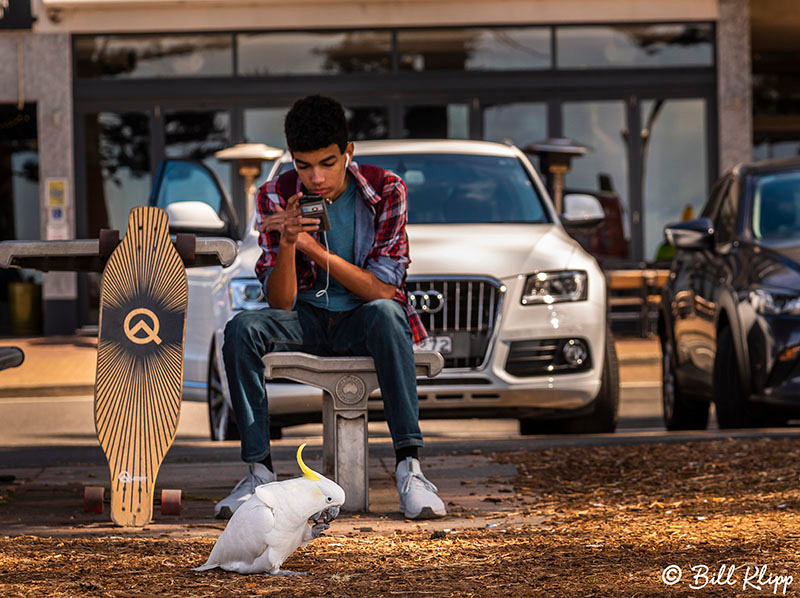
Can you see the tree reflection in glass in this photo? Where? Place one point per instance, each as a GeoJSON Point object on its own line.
{"type": "Point", "coordinates": [262, 54]}
{"type": "Point", "coordinates": [153, 56]}
{"type": "Point", "coordinates": [637, 46]}
{"type": "Point", "coordinates": [197, 134]}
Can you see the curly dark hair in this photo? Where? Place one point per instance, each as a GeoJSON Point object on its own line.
{"type": "Point", "coordinates": [315, 122]}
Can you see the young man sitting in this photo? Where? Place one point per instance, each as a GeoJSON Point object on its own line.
{"type": "Point", "coordinates": [343, 297]}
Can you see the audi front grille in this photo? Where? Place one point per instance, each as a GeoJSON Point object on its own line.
{"type": "Point", "coordinates": [459, 313]}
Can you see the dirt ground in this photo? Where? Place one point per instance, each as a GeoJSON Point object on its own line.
{"type": "Point", "coordinates": [601, 521]}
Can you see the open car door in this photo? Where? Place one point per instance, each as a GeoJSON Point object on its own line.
{"type": "Point", "coordinates": [194, 199]}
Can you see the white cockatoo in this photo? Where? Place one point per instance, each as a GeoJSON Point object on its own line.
{"type": "Point", "coordinates": [274, 522]}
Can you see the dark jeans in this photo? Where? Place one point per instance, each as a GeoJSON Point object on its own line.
{"type": "Point", "coordinates": [378, 329]}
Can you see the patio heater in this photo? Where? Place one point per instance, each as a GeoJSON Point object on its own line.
{"type": "Point", "coordinates": [556, 154]}
{"type": "Point", "coordinates": [249, 157]}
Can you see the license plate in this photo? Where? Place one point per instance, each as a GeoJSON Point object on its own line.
{"type": "Point", "coordinates": [442, 344]}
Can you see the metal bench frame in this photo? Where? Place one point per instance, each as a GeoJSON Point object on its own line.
{"type": "Point", "coordinates": [346, 383]}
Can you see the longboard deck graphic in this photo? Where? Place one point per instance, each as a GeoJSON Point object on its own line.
{"type": "Point", "coordinates": [140, 361]}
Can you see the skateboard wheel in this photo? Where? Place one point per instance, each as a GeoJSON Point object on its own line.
{"type": "Point", "coordinates": [109, 239]}
{"type": "Point", "coordinates": [185, 244]}
{"type": "Point", "coordinates": [170, 502]}
{"type": "Point", "coordinates": [93, 499]}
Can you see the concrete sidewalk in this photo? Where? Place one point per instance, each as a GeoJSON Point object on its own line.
{"type": "Point", "coordinates": [47, 500]}
{"type": "Point", "coordinates": [66, 366]}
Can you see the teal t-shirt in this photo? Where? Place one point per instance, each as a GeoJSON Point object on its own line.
{"type": "Point", "coordinates": [341, 241]}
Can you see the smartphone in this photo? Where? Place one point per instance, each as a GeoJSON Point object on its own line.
{"type": "Point", "coordinates": [313, 206]}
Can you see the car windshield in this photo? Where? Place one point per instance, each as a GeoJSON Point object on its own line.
{"type": "Point", "coordinates": [776, 207]}
{"type": "Point", "coordinates": [463, 188]}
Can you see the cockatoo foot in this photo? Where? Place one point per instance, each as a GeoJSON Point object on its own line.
{"type": "Point", "coordinates": [318, 529]}
{"type": "Point", "coordinates": [285, 573]}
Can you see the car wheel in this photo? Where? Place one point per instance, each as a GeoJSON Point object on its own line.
{"type": "Point", "coordinates": [734, 409]}
{"type": "Point", "coordinates": [603, 416]}
{"type": "Point", "coordinates": [220, 414]}
{"type": "Point", "coordinates": [680, 412]}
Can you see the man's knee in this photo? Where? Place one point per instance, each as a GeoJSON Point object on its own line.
{"type": "Point", "coordinates": [242, 330]}
{"type": "Point", "coordinates": [238, 326]}
{"type": "Point", "coordinates": [385, 314]}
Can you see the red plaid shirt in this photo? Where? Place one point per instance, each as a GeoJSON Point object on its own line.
{"type": "Point", "coordinates": [381, 235]}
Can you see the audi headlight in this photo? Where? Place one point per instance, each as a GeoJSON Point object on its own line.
{"type": "Point", "coordinates": [246, 293]}
{"type": "Point", "coordinates": [774, 302]}
{"type": "Point", "coordinates": [554, 287]}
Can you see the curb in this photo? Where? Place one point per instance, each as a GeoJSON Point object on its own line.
{"type": "Point", "coordinates": [67, 390]}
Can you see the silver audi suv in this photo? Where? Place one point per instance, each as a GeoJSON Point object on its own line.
{"type": "Point", "coordinates": [514, 304]}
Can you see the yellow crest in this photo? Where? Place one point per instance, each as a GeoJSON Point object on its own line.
{"type": "Point", "coordinates": [307, 473]}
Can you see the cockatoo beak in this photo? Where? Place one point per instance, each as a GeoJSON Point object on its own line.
{"type": "Point", "coordinates": [330, 514]}
{"type": "Point", "coordinates": [326, 515]}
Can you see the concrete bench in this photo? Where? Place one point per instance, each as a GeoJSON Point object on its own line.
{"type": "Point", "coordinates": [346, 383]}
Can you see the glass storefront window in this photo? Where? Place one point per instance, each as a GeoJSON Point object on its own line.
{"type": "Point", "coordinates": [19, 173]}
{"type": "Point", "coordinates": [197, 134]}
{"type": "Point", "coordinates": [153, 56]}
{"type": "Point", "coordinates": [262, 54]}
{"type": "Point", "coordinates": [118, 178]}
{"type": "Point", "coordinates": [265, 125]}
{"type": "Point", "coordinates": [767, 149]}
{"type": "Point", "coordinates": [635, 46]}
{"type": "Point", "coordinates": [675, 168]}
{"type": "Point", "coordinates": [447, 121]}
{"type": "Point", "coordinates": [474, 49]}
{"type": "Point", "coordinates": [19, 206]}
{"type": "Point", "coordinates": [367, 122]}
{"type": "Point", "coordinates": [118, 174]}
{"type": "Point", "coordinates": [600, 125]}
{"type": "Point", "coordinates": [520, 123]}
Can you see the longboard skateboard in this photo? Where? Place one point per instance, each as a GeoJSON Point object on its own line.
{"type": "Point", "coordinates": [137, 400]}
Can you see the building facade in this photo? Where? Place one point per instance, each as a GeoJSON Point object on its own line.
{"type": "Point", "coordinates": [94, 93]}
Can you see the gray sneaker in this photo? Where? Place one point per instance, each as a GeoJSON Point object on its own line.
{"type": "Point", "coordinates": [258, 474]}
{"type": "Point", "coordinates": [418, 499]}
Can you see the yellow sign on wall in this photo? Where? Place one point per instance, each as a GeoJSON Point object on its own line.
{"type": "Point", "coordinates": [57, 198]}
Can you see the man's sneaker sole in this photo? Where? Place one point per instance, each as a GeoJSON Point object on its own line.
{"type": "Point", "coordinates": [224, 513]}
{"type": "Point", "coordinates": [426, 513]}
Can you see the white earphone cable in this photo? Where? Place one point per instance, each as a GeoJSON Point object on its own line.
{"type": "Point", "coordinates": [327, 271]}
{"type": "Point", "coordinates": [328, 254]}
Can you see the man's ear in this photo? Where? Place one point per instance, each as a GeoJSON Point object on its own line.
{"type": "Point", "coordinates": [348, 151]}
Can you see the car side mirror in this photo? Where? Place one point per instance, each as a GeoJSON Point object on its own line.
{"type": "Point", "coordinates": [582, 210]}
{"type": "Point", "coordinates": [194, 216]}
{"type": "Point", "coordinates": [692, 234]}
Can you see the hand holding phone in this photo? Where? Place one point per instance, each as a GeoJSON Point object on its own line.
{"type": "Point", "coordinates": [313, 206]}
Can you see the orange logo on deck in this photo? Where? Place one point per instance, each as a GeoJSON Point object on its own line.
{"type": "Point", "coordinates": [150, 330]}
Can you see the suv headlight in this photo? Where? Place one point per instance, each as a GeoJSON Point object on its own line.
{"type": "Point", "coordinates": [554, 287]}
{"type": "Point", "coordinates": [246, 293]}
{"type": "Point", "coordinates": [774, 302]}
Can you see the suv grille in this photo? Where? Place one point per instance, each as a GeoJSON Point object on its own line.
{"type": "Point", "coordinates": [466, 314]}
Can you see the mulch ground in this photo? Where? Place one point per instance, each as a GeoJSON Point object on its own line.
{"type": "Point", "coordinates": [615, 520]}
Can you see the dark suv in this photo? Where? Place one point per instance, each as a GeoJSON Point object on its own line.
{"type": "Point", "coordinates": [730, 311]}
